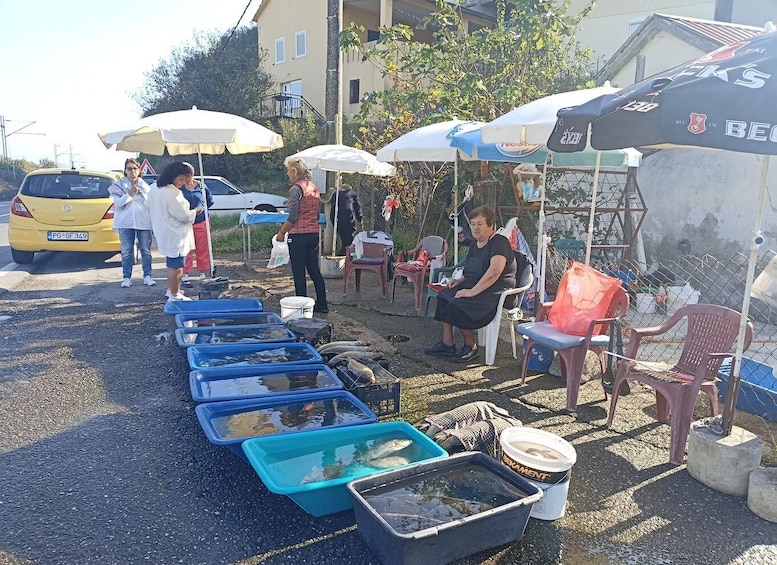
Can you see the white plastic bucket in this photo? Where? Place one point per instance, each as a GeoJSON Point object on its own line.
{"type": "Point", "coordinates": [646, 303]}
{"type": "Point", "coordinates": [297, 307]}
{"type": "Point", "coordinates": [679, 296]}
{"type": "Point", "coordinates": [545, 460]}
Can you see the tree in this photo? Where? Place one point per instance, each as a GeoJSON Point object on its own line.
{"type": "Point", "coordinates": [220, 73]}
{"type": "Point", "coordinates": [529, 52]}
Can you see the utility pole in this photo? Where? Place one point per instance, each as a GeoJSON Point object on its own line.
{"type": "Point", "coordinates": [4, 135]}
{"type": "Point", "coordinates": [333, 105]}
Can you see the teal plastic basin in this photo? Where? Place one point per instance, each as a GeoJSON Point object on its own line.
{"type": "Point", "coordinates": [313, 468]}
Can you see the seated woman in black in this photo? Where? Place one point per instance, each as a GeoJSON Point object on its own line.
{"type": "Point", "coordinates": [470, 302]}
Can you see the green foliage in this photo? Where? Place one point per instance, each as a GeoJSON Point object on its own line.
{"type": "Point", "coordinates": [530, 52]}
{"type": "Point", "coordinates": [219, 73]}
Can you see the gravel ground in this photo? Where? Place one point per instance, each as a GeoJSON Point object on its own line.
{"type": "Point", "coordinates": [102, 459]}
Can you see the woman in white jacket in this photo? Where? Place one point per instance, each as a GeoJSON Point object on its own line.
{"type": "Point", "coordinates": [132, 219]}
{"type": "Point", "coordinates": [172, 220]}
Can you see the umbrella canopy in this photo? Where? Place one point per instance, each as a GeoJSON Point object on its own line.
{"type": "Point", "coordinates": [722, 100]}
{"type": "Point", "coordinates": [427, 143]}
{"type": "Point", "coordinates": [533, 123]}
{"type": "Point", "coordinates": [188, 132]}
{"type": "Point", "coordinates": [432, 143]}
{"type": "Point", "coordinates": [343, 159]}
{"type": "Point", "coordinates": [470, 142]}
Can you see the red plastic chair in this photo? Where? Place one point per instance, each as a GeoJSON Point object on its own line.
{"type": "Point", "coordinates": [571, 349]}
{"type": "Point", "coordinates": [711, 333]}
{"type": "Point", "coordinates": [436, 247]}
{"type": "Point", "coordinates": [375, 258]}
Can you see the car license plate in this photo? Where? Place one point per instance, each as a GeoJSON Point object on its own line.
{"type": "Point", "coordinates": [68, 236]}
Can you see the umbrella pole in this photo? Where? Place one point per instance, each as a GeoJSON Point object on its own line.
{"type": "Point", "coordinates": [207, 214]}
{"type": "Point", "coordinates": [542, 240]}
{"type": "Point", "coordinates": [456, 210]}
{"type": "Point", "coordinates": [733, 383]}
{"type": "Point", "coordinates": [593, 209]}
{"type": "Point", "coordinates": [334, 235]}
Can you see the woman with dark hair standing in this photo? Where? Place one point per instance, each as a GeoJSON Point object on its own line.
{"type": "Point", "coordinates": [132, 220]}
{"type": "Point", "coordinates": [302, 229]}
{"type": "Point", "coordinates": [172, 220]}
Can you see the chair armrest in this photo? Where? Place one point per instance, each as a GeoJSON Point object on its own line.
{"type": "Point", "coordinates": [544, 310]}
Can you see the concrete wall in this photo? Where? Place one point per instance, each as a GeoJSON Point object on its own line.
{"type": "Point", "coordinates": [663, 51]}
{"type": "Point", "coordinates": [605, 30]}
{"type": "Point", "coordinates": [706, 197]}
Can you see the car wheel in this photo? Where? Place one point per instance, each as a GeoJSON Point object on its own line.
{"type": "Point", "coordinates": [266, 208]}
{"type": "Point", "coordinates": [22, 257]}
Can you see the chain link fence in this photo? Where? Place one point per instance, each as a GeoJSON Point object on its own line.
{"type": "Point", "coordinates": [657, 293]}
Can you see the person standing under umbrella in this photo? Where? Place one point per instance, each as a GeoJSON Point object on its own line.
{"type": "Point", "coordinates": [349, 216]}
{"type": "Point", "coordinates": [132, 219]}
{"type": "Point", "coordinates": [197, 196]}
{"type": "Point", "coordinates": [171, 220]}
{"type": "Point", "coordinates": [302, 229]}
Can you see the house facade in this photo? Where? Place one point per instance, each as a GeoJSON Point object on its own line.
{"type": "Point", "coordinates": [294, 35]}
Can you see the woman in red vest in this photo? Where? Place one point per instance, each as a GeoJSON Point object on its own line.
{"type": "Point", "coordinates": [302, 230]}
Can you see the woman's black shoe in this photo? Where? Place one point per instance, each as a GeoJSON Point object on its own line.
{"type": "Point", "coordinates": [466, 354]}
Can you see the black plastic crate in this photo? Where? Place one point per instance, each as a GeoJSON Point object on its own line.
{"type": "Point", "coordinates": [381, 397]}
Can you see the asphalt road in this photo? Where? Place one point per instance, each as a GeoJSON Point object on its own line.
{"type": "Point", "coordinates": [102, 460]}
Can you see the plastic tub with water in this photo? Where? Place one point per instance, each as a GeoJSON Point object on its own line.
{"type": "Point", "coordinates": [315, 467]}
{"type": "Point", "coordinates": [224, 335]}
{"type": "Point", "coordinates": [440, 511]}
{"type": "Point", "coordinates": [209, 385]}
{"type": "Point", "coordinates": [231, 422]}
{"type": "Point", "coordinates": [239, 357]}
{"type": "Point", "coordinates": [222, 306]}
{"type": "Point", "coordinates": [200, 320]}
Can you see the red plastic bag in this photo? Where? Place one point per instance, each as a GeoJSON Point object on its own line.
{"type": "Point", "coordinates": [584, 294]}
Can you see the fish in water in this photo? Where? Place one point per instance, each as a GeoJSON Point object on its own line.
{"type": "Point", "coordinates": [388, 462]}
{"type": "Point", "coordinates": [325, 473]}
{"type": "Point", "coordinates": [384, 448]}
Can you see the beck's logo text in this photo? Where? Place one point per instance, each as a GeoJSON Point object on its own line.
{"type": "Point", "coordinates": [755, 131]}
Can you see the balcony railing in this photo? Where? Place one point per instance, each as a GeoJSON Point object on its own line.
{"type": "Point", "coordinates": [291, 106]}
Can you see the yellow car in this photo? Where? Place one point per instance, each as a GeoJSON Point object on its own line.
{"type": "Point", "coordinates": [62, 210]}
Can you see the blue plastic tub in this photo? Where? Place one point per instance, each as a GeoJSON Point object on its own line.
{"type": "Point", "coordinates": [757, 388]}
{"type": "Point", "coordinates": [240, 357]}
{"type": "Point", "coordinates": [198, 319]}
{"type": "Point", "coordinates": [226, 335]}
{"type": "Point", "coordinates": [208, 385]}
{"type": "Point", "coordinates": [314, 468]}
{"type": "Point", "coordinates": [222, 306]}
{"type": "Point", "coordinates": [231, 422]}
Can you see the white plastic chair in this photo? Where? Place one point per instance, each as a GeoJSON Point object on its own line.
{"type": "Point", "coordinates": [488, 336]}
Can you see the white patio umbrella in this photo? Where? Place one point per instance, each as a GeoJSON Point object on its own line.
{"type": "Point", "coordinates": [531, 124]}
{"type": "Point", "coordinates": [189, 132]}
{"type": "Point", "coordinates": [432, 143]}
{"type": "Point", "coordinates": [342, 159]}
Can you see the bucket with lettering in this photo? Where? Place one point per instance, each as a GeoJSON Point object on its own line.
{"type": "Point", "coordinates": [546, 461]}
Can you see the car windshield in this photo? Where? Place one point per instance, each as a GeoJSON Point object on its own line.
{"type": "Point", "coordinates": [72, 186]}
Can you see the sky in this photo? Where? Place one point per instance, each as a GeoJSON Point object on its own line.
{"type": "Point", "coordinates": [71, 68]}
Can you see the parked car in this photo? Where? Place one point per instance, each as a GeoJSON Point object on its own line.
{"type": "Point", "coordinates": [62, 210]}
{"type": "Point", "coordinates": [229, 199]}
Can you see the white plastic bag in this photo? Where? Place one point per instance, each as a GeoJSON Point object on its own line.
{"type": "Point", "coordinates": [279, 254]}
{"type": "Point", "coordinates": [765, 285]}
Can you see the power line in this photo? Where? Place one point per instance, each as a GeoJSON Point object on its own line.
{"type": "Point", "coordinates": [231, 33]}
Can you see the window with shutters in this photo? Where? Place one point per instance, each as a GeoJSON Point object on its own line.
{"type": "Point", "coordinates": [301, 44]}
{"type": "Point", "coordinates": [280, 50]}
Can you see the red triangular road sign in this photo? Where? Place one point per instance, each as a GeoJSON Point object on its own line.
{"type": "Point", "coordinates": [146, 168]}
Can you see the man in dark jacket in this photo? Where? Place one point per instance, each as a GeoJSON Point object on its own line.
{"type": "Point", "coordinates": [349, 216]}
